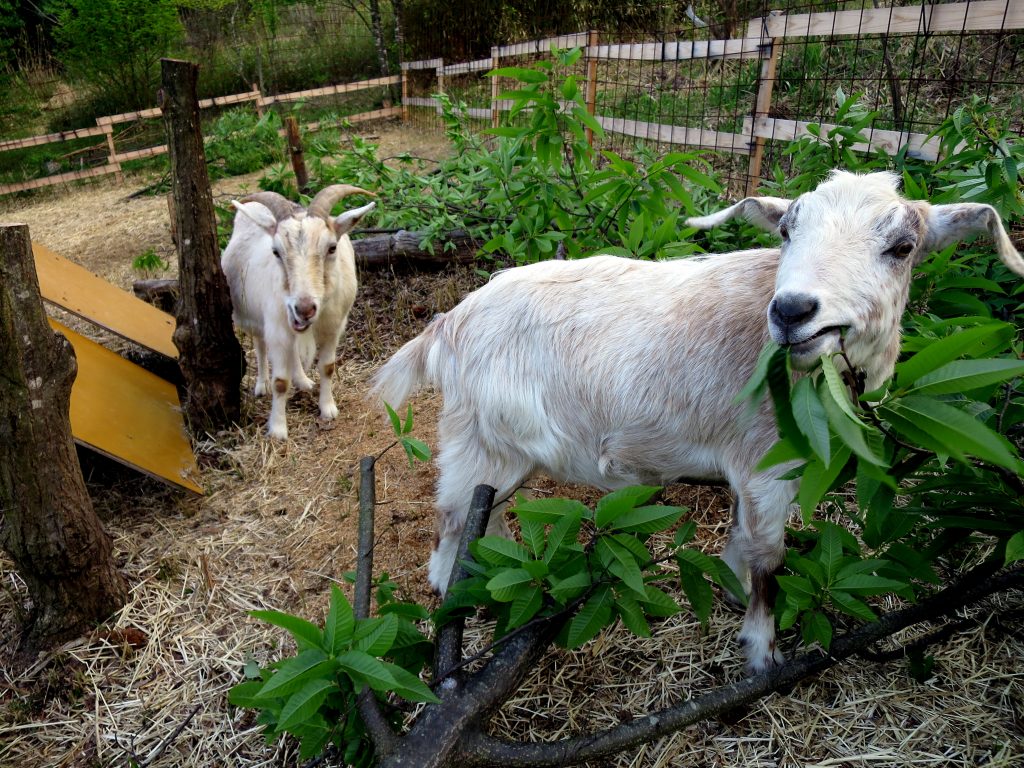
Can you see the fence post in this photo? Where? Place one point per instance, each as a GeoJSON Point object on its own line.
{"type": "Point", "coordinates": [258, 98]}
{"type": "Point", "coordinates": [291, 127]}
{"type": "Point", "coordinates": [439, 71]}
{"type": "Point", "coordinates": [108, 131]}
{"type": "Point", "coordinates": [762, 105]}
{"type": "Point", "coordinates": [495, 90]}
{"type": "Point", "coordinates": [592, 39]}
{"type": "Point", "coordinates": [405, 93]}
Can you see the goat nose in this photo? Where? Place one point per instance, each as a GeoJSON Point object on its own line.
{"type": "Point", "coordinates": [793, 309]}
{"type": "Point", "coordinates": [305, 308]}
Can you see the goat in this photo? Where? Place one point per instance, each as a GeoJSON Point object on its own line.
{"type": "Point", "coordinates": [292, 277]}
{"type": "Point", "coordinates": [612, 372]}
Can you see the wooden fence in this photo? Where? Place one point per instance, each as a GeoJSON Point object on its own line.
{"type": "Point", "coordinates": [105, 126]}
{"type": "Point", "coordinates": [761, 40]}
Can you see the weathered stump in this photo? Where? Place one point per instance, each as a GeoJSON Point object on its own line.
{"type": "Point", "coordinates": [209, 353]}
{"type": "Point", "coordinates": [49, 526]}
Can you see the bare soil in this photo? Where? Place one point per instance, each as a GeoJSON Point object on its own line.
{"type": "Point", "coordinates": [277, 526]}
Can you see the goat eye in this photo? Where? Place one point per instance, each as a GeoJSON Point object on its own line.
{"type": "Point", "coordinates": [784, 232]}
{"type": "Point", "coordinates": [331, 249]}
{"type": "Point", "coordinates": [903, 250]}
{"type": "Point", "coordinates": [277, 252]}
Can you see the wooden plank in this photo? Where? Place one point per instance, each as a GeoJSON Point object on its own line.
{"type": "Point", "coordinates": [79, 291]}
{"type": "Point", "coordinates": [361, 117]}
{"type": "Point", "coordinates": [58, 178]}
{"type": "Point", "coordinates": [737, 48]}
{"type": "Point", "coordinates": [137, 154]}
{"type": "Point", "coordinates": [129, 414]}
{"type": "Point", "coordinates": [577, 39]}
{"type": "Point", "coordinates": [333, 90]}
{"type": "Point", "coordinates": [422, 64]}
{"type": "Point", "coordinates": [890, 142]}
{"type": "Point", "coordinates": [50, 138]}
{"type": "Point", "coordinates": [976, 16]}
{"type": "Point", "coordinates": [762, 105]}
{"type": "Point", "coordinates": [737, 144]}
{"type": "Point", "coordinates": [149, 114]}
{"type": "Point", "coordinates": [469, 66]}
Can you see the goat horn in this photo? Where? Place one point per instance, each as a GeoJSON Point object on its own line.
{"type": "Point", "coordinates": [328, 196]}
{"type": "Point", "coordinates": [279, 205]}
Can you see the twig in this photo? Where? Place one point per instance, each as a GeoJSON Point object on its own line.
{"type": "Point", "coordinates": [170, 739]}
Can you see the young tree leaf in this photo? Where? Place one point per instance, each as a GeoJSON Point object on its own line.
{"type": "Point", "coordinates": [968, 342]}
{"type": "Point", "coordinates": [849, 604]}
{"type": "Point", "coordinates": [294, 672]}
{"type": "Point", "coordinates": [1015, 548]}
{"type": "Point", "coordinates": [648, 519]}
{"type": "Point", "coordinates": [375, 636]}
{"type": "Point", "coordinates": [594, 616]}
{"type": "Point", "coordinates": [302, 704]}
{"type": "Point", "coordinates": [497, 550]}
{"type": "Point", "coordinates": [339, 624]}
{"type": "Point", "coordinates": [815, 627]}
{"type": "Point", "coordinates": [850, 430]}
{"type": "Point", "coordinates": [364, 669]}
{"type": "Point", "coordinates": [569, 588]}
{"type": "Point", "coordinates": [622, 563]}
{"type": "Point", "coordinates": [525, 606]}
{"type": "Point", "coordinates": [507, 585]}
{"type": "Point", "coordinates": [811, 418]}
{"type": "Point", "coordinates": [965, 375]}
{"type": "Point", "coordinates": [306, 634]}
{"type": "Point", "coordinates": [409, 686]}
{"type": "Point", "coordinates": [618, 502]}
{"type": "Point", "coordinates": [631, 614]}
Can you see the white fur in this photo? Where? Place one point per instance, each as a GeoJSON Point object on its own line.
{"type": "Point", "coordinates": [613, 372]}
{"type": "Point", "coordinates": [273, 295]}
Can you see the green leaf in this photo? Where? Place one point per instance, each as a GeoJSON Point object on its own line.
{"type": "Point", "coordinates": [396, 423]}
{"type": "Point", "coordinates": [648, 519]}
{"type": "Point", "coordinates": [965, 375]}
{"type": "Point", "coordinates": [409, 686]}
{"type": "Point", "coordinates": [850, 430]}
{"type": "Point", "coordinates": [561, 536]}
{"type": "Point", "coordinates": [631, 614]}
{"type": "Point", "coordinates": [525, 606]}
{"type": "Point", "coordinates": [550, 510]}
{"type": "Point", "coordinates": [589, 121]}
{"type": "Point", "coordinates": [657, 603]}
{"type": "Point", "coordinates": [816, 627]}
{"type": "Point", "coordinates": [302, 704]}
{"type": "Point", "coordinates": [246, 695]}
{"type": "Point", "coordinates": [339, 623]}
{"type": "Point", "coordinates": [594, 616]}
{"type": "Point", "coordinates": [569, 588]}
{"type": "Point", "coordinates": [817, 480]}
{"type": "Point", "coordinates": [306, 634]}
{"type": "Point", "coordinates": [506, 585]}
{"type": "Point", "coordinates": [364, 669]}
{"type": "Point", "coordinates": [799, 587]}
{"type": "Point", "coordinates": [497, 550]}
{"type": "Point", "coordinates": [291, 675]}
{"type": "Point", "coordinates": [532, 532]}
{"type": "Point", "coordinates": [811, 418]}
{"type": "Point", "coordinates": [756, 383]}
{"type": "Point", "coordinates": [849, 604]}
{"type": "Point", "coordinates": [519, 73]}
{"type": "Point", "coordinates": [375, 636]}
{"type": "Point", "coordinates": [698, 592]}
{"type": "Point", "coordinates": [780, 453]}
{"type": "Point", "coordinates": [968, 342]}
{"type": "Point", "coordinates": [831, 549]}
{"type": "Point", "coordinates": [1015, 548]}
{"type": "Point", "coordinates": [867, 584]}
{"type": "Point", "coordinates": [622, 563]}
{"type": "Point", "coordinates": [958, 433]}
{"type": "Point", "coordinates": [836, 387]}
{"type": "Point", "coordinates": [618, 502]}
{"type": "Point", "coordinates": [407, 426]}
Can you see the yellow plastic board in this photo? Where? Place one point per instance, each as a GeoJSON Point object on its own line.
{"type": "Point", "coordinates": [80, 292]}
{"type": "Point", "coordinates": [129, 414]}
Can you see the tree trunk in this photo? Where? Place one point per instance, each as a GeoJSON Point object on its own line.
{"type": "Point", "coordinates": [48, 526]}
{"type": "Point", "coordinates": [378, 41]}
{"type": "Point", "coordinates": [210, 355]}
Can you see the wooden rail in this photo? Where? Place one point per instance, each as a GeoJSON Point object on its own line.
{"type": "Point", "coordinates": [105, 127]}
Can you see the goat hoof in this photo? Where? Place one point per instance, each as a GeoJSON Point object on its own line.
{"type": "Point", "coordinates": [277, 433]}
{"type": "Point", "coordinates": [329, 413]}
{"type": "Point", "coordinates": [260, 389]}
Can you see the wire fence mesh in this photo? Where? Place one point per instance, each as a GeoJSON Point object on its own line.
{"type": "Point", "coordinates": [739, 76]}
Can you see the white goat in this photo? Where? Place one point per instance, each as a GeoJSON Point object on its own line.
{"type": "Point", "coordinates": [292, 276]}
{"type": "Point", "coordinates": [612, 372]}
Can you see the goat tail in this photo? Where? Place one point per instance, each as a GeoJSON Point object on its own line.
{"type": "Point", "coordinates": [406, 371]}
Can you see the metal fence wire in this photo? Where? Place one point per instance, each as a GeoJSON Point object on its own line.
{"type": "Point", "coordinates": [743, 77]}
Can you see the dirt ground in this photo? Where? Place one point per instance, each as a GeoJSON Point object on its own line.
{"type": "Point", "coordinates": [277, 526]}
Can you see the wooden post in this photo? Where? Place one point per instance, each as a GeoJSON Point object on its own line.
{"type": "Point", "coordinates": [258, 98]}
{"type": "Point", "coordinates": [50, 529]}
{"type": "Point", "coordinates": [108, 131]}
{"type": "Point", "coordinates": [592, 40]}
{"type": "Point", "coordinates": [405, 94]}
{"type": "Point", "coordinates": [495, 89]}
{"type": "Point", "coordinates": [762, 105]}
{"type": "Point", "coordinates": [291, 126]}
{"type": "Point", "coordinates": [209, 354]}
{"type": "Point", "coordinates": [439, 72]}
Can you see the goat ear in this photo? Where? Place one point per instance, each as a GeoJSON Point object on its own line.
{"type": "Point", "coordinates": [259, 214]}
{"type": "Point", "coordinates": [946, 224]}
{"type": "Point", "coordinates": [347, 220]}
{"type": "Point", "coordinates": [763, 212]}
